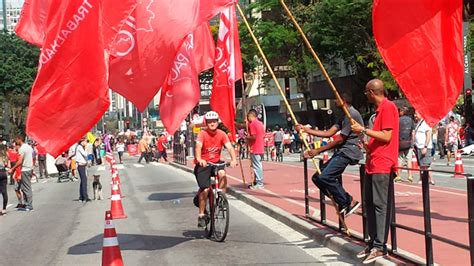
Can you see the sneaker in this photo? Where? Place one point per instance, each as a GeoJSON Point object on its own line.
{"type": "Point", "coordinates": [373, 256]}
{"type": "Point", "coordinates": [410, 179]}
{"type": "Point", "coordinates": [348, 210]}
{"type": "Point", "coordinates": [20, 206]}
{"type": "Point", "coordinates": [397, 179]}
{"type": "Point", "coordinates": [3, 213]}
{"type": "Point", "coordinates": [432, 183]}
{"type": "Point", "coordinates": [363, 253]}
{"type": "Point", "coordinates": [256, 187]}
{"type": "Point", "coordinates": [202, 222]}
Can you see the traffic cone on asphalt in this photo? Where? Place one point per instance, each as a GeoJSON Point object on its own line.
{"type": "Point", "coordinates": [325, 157]}
{"type": "Point", "coordinates": [414, 162]}
{"type": "Point", "coordinates": [109, 157]}
{"type": "Point", "coordinates": [110, 248]}
{"type": "Point", "coordinates": [115, 178]}
{"type": "Point", "coordinates": [116, 207]}
{"type": "Point", "coordinates": [116, 186]}
{"type": "Point", "coordinates": [458, 167]}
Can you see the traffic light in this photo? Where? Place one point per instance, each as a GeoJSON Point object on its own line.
{"type": "Point", "coordinates": [468, 105]}
{"type": "Point", "coordinates": [287, 93]}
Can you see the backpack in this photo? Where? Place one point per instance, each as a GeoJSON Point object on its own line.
{"type": "Point", "coordinates": [405, 133]}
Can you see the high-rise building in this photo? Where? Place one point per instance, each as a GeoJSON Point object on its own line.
{"type": "Point", "coordinates": [11, 13]}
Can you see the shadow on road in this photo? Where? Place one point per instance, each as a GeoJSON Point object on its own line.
{"type": "Point", "coordinates": [128, 242]}
{"type": "Point", "coordinates": [164, 196]}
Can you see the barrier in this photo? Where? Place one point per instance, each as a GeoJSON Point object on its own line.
{"type": "Point", "coordinates": [179, 153]}
{"type": "Point", "coordinates": [132, 149]}
{"type": "Point", "coordinates": [427, 230]}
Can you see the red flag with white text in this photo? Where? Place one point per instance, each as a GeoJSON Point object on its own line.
{"type": "Point", "coordinates": [227, 70]}
{"type": "Point", "coordinates": [146, 47]}
{"type": "Point", "coordinates": [181, 91]}
{"type": "Point", "coordinates": [32, 22]}
{"type": "Point", "coordinates": [421, 43]}
{"type": "Point", "coordinates": [70, 93]}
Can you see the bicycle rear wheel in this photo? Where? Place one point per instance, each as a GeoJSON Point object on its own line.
{"type": "Point", "coordinates": [220, 217]}
{"type": "Point", "coordinates": [209, 213]}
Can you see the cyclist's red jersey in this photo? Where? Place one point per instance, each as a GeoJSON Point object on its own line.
{"type": "Point", "coordinates": [212, 143]}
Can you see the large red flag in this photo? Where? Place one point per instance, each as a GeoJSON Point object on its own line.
{"type": "Point", "coordinates": [147, 45]}
{"type": "Point", "coordinates": [32, 22]}
{"type": "Point", "coordinates": [421, 43]}
{"type": "Point", "coordinates": [181, 91]}
{"type": "Point", "coordinates": [70, 92]}
{"type": "Point", "coordinates": [227, 70]}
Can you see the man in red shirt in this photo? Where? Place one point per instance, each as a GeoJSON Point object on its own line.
{"type": "Point", "coordinates": [162, 145]}
{"type": "Point", "coordinates": [256, 142]}
{"type": "Point", "coordinates": [208, 149]}
{"type": "Point", "coordinates": [382, 153]}
{"type": "Point", "coordinates": [42, 161]}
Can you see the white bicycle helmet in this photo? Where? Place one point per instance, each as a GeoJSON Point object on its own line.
{"type": "Point", "coordinates": [211, 115]}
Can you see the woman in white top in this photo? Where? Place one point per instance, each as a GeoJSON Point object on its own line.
{"type": "Point", "coordinates": [423, 145]}
{"type": "Point", "coordinates": [120, 146]}
{"type": "Point", "coordinates": [81, 160]}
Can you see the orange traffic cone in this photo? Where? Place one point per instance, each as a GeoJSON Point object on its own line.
{"type": "Point", "coordinates": [110, 249]}
{"type": "Point", "coordinates": [325, 157]}
{"type": "Point", "coordinates": [116, 186]}
{"type": "Point", "coordinates": [116, 207]}
{"type": "Point", "coordinates": [414, 162]}
{"type": "Point", "coordinates": [109, 157]}
{"type": "Point", "coordinates": [115, 178]}
{"type": "Point", "coordinates": [458, 167]}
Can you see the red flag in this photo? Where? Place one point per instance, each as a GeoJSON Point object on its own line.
{"type": "Point", "coordinates": [70, 92]}
{"type": "Point", "coordinates": [181, 91]}
{"type": "Point", "coordinates": [421, 43]}
{"type": "Point", "coordinates": [147, 46]}
{"type": "Point", "coordinates": [32, 22]}
{"type": "Point", "coordinates": [227, 70]}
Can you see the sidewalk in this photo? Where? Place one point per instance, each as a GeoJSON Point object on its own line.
{"type": "Point", "coordinates": [283, 198]}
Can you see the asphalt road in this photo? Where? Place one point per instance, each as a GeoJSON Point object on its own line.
{"type": "Point", "coordinates": [161, 228]}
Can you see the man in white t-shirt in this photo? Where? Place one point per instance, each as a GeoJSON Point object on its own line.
{"type": "Point", "coordinates": [423, 144]}
{"type": "Point", "coordinates": [25, 161]}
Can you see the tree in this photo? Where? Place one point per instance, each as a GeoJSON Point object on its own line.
{"type": "Point", "coordinates": [18, 69]}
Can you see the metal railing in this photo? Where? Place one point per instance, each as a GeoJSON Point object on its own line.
{"type": "Point", "coordinates": [426, 232]}
{"type": "Point", "coordinates": [179, 153]}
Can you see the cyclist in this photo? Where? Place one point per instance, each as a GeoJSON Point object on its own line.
{"type": "Point", "coordinates": [208, 149]}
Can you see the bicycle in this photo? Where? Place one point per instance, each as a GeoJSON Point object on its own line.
{"type": "Point", "coordinates": [217, 207]}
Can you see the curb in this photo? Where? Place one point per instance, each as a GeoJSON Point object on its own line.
{"type": "Point", "coordinates": [328, 238]}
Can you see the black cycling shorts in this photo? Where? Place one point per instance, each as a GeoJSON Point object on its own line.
{"type": "Point", "coordinates": [203, 174]}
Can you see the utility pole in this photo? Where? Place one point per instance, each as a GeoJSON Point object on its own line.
{"type": "Point", "coordinates": [467, 14]}
{"type": "Point", "coordinates": [4, 6]}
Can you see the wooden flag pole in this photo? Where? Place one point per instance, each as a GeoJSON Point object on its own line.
{"type": "Point", "coordinates": [316, 57]}
{"type": "Point", "coordinates": [288, 107]}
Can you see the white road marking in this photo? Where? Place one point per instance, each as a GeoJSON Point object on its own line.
{"type": "Point", "coordinates": [101, 168]}
{"type": "Point", "coordinates": [120, 166]}
{"type": "Point", "coordinates": [44, 181]}
{"type": "Point", "coordinates": [155, 163]}
{"type": "Point", "coordinates": [138, 165]}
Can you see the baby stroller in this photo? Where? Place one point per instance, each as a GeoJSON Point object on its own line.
{"type": "Point", "coordinates": [63, 170]}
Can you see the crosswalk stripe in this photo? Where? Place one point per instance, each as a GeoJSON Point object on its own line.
{"type": "Point", "coordinates": [120, 166]}
{"type": "Point", "coordinates": [155, 163]}
{"type": "Point", "coordinates": [101, 168]}
{"type": "Point", "coordinates": [138, 165]}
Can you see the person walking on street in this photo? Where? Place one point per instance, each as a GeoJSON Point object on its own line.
{"type": "Point", "coordinates": [90, 153]}
{"type": "Point", "coordinates": [143, 148]}
{"type": "Point", "coordinates": [405, 143]}
{"type": "Point", "coordinates": [12, 155]}
{"type": "Point", "coordinates": [4, 163]}
{"type": "Point", "coordinates": [25, 161]}
{"type": "Point", "coordinates": [162, 145]}
{"type": "Point", "coordinates": [279, 135]}
{"type": "Point", "coordinates": [423, 145]}
{"type": "Point", "coordinates": [81, 160]}
{"type": "Point", "coordinates": [120, 149]}
{"type": "Point", "coordinates": [441, 140]}
{"type": "Point", "coordinates": [451, 138]}
{"type": "Point", "coordinates": [43, 171]}
{"type": "Point", "coordinates": [382, 157]}
{"type": "Point", "coordinates": [347, 152]}
{"type": "Point", "coordinates": [255, 139]}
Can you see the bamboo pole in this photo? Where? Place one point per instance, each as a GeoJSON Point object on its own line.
{"type": "Point", "coordinates": [267, 64]}
{"type": "Point", "coordinates": [316, 57]}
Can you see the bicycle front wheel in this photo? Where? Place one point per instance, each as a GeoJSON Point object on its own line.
{"type": "Point", "coordinates": [220, 217]}
{"type": "Point", "coordinates": [210, 207]}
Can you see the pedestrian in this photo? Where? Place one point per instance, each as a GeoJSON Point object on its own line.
{"type": "Point", "coordinates": [451, 139]}
{"type": "Point", "coordinates": [423, 145]}
{"type": "Point", "coordinates": [347, 152]}
{"type": "Point", "coordinates": [90, 153]}
{"type": "Point", "coordinates": [43, 171]}
{"type": "Point", "coordinates": [441, 140]}
{"type": "Point", "coordinates": [162, 145]}
{"type": "Point", "coordinates": [12, 154]}
{"type": "Point", "coordinates": [405, 146]}
{"type": "Point", "coordinates": [72, 158]}
{"type": "Point", "coordinates": [143, 148]}
{"type": "Point", "coordinates": [96, 150]}
{"type": "Point", "coordinates": [255, 140]}
{"type": "Point", "coordinates": [269, 143]}
{"type": "Point", "coordinates": [81, 160]}
{"type": "Point", "coordinates": [120, 149]}
{"type": "Point", "coordinates": [25, 161]}
{"type": "Point", "coordinates": [382, 157]}
{"type": "Point", "coordinates": [4, 164]}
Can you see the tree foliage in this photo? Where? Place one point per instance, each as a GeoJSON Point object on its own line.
{"type": "Point", "coordinates": [18, 68]}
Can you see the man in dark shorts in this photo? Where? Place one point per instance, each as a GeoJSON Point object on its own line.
{"type": "Point", "coordinates": [347, 152]}
{"type": "Point", "coordinates": [208, 149]}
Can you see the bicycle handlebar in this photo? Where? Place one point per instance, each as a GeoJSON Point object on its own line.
{"type": "Point", "coordinates": [219, 164]}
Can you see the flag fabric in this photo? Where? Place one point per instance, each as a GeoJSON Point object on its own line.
{"type": "Point", "coordinates": [227, 70]}
{"type": "Point", "coordinates": [421, 44]}
{"type": "Point", "coordinates": [181, 91]}
{"type": "Point", "coordinates": [32, 22]}
{"type": "Point", "coordinates": [70, 92]}
{"type": "Point", "coordinates": [145, 49]}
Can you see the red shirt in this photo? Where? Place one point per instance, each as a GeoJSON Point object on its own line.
{"type": "Point", "coordinates": [256, 129]}
{"type": "Point", "coordinates": [212, 143]}
{"type": "Point", "coordinates": [12, 155]}
{"type": "Point", "coordinates": [162, 140]}
{"type": "Point", "coordinates": [269, 139]}
{"type": "Point", "coordinates": [383, 157]}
